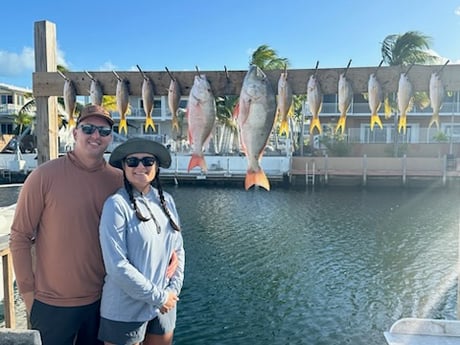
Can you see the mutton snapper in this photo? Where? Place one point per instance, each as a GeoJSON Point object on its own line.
{"type": "Point", "coordinates": [256, 113]}
{"type": "Point", "coordinates": [148, 98]}
{"type": "Point", "coordinates": [201, 116]}
{"type": "Point", "coordinates": [173, 102]}
{"type": "Point", "coordinates": [70, 100]}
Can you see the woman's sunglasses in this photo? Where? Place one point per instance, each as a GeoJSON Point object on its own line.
{"type": "Point", "coordinates": [133, 162]}
{"type": "Point", "coordinates": [90, 129]}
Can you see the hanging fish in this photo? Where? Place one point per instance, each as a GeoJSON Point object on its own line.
{"type": "Point", "coordinates": [315, 102]}
{"type": "Point", "coordinates": [345, 96]}
{"type": "Point", "coordinates": [122, 96]}
{"type": "Point", "coordinates": [375, 97]}
{"type": "Point", "coordinates": [95, 92]}
{"type": "Point", "coordinates": [70, 100]}
{"type": "Point", "coordinates": [284, 103]}
{"type": "Point", "coordinates": [256, 113]}
{"type": "Point", "coordinates": [201, 116]}
{"type": "Point", "coordinates": [405, 93]}
{"type": "Point", "coordinates": [148, 97]}
{"type": "Point", "coordinates": [173, 102]}
{"type": "Point", "coordinates": [436, 98]}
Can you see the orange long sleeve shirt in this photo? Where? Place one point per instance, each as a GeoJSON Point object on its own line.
{"type": "Point", "coordinates": [58, 209]}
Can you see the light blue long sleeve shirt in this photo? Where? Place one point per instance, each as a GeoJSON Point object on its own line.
{"type": "Point", "coordinates": [136, 256]}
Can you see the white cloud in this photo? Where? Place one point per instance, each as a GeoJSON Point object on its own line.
{"type": "Point", "coordinates": [457, 11]}
{"type": "Point", "coordinates": [108, 66]}
{"type": "Point", "coordinates": [14, 64]}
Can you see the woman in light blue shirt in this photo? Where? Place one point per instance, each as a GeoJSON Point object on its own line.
{"type": "Point", "coordinates": [139, 231]}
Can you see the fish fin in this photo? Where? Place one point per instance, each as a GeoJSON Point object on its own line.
{"type": "Point", "coordinates": [175, 123]}
{"type": "Point", "coordinates": [402, 123]}
{"type": "Point", "coordinates": [149, 123]}
{"type": "Point", "coordinates": [236, 110]}
{"type": "Point", "coordinates": [375, 119]}
{"type": "Point", "coordinates": [71, 121]}
{"type": "Point", "coordinates": [123, 126]}
{"type": "Point", "coordinates": [284, 127]}
{"type": "Point", "coordinates": [387, 108]}
{"type": "Point", "coordinates": [256, 178]}
{"type": "Point", "coordinates": [434, 120]}
{"type": "Point", "coordinates": [315, 123]}
{"type": "Point", "coordinates": [341, 124]}
{"type": "Point", "coordinates": [197, 161]}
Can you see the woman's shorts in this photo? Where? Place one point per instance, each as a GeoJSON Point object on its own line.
{"type": "Point", "coordinates": [121, 332]}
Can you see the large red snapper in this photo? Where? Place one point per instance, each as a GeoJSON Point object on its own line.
{"type": "Point", "coordinates": [256, 116]}
{"type": "Point", "coordinates": [201, 116]}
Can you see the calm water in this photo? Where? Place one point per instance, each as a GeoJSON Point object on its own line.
{"type": "Point", "coordinates": [300, 266]}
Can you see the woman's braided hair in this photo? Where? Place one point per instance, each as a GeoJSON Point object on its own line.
{"type": "Point", "coordinates": [129, 189]}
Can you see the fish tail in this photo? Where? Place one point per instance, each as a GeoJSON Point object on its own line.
{"type": "Point", "coordinates": [341, 124]}
{"type": "Point", "coordinates": [197, 161]}
{"type": "Point", "coordinates": [402, 123]}
{"type": "Point", "coordinates": [149, 123]}
{"type": "Point", "coordinates": [175, 123]}
{"type": "Point", "coordinates": [123, 126]}
{"type": "Point", "coordinates": [375, 119]}
{"type": "Point", "coordinates": [434, 120]}
{"type": "Point", "coordinates": [284, 127]}
{"type": "Point", "coordinates": [387, 108]}
{"type": "Point", "coordinates": [315, 123]}
{"type": "Point", "coordinates": [256, 178]}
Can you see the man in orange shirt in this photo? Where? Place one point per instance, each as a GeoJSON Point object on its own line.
{"type": "Point", "coordinates": [58, 213]}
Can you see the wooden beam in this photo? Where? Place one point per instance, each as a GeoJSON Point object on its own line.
{"type": "Point", "coordinates": [47, 115]}
{"type": "Point", "coordinates": [229, 83]}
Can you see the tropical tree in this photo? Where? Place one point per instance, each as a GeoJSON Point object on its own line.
{"type": "Point", "coordinates": [409, 48]}
{"type": "Point", "coordinates": [228, 129]}
{"type": "Point", "coordinates": [267, 58]}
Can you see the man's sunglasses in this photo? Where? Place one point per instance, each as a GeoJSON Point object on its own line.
{"type": "Point", "coordinates": [133, 162]}
{"type": "Point", "coordinates": [90, 129]}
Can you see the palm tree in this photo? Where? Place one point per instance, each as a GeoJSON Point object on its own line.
{"type": "Point", "coordinates": [225, 106]}
{"type": "Point", "coordinates": [409, 48]}
{"type": "Point", "coordinates": [266, 58]}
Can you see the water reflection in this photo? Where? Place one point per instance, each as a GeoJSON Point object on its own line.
{"type": "Point", "coordinates": [329, 266]}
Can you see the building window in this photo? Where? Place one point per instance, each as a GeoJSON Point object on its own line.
{"type": "Point", "coordinates": [6, 128]}
{"type": "Point", "coordinates": [6, 99]}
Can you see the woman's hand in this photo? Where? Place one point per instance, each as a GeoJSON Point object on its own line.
{"type": "Point", "coordinates": [170, 303]}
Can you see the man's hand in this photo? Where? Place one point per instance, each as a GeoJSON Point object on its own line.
{"type": "Point", "coordinates": [28, 299]}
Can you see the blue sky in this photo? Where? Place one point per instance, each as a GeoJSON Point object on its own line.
{"type": "Point", "coordinates": [179, 34]}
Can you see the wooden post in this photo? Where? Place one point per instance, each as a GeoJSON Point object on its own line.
{"type": "Point", "coordinates": [8, 293]}
{"type": "Point", "coordinates": [47, 116]}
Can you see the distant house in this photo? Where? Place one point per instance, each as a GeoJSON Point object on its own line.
{"type": "Point", "coordinates": [12, 99]}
